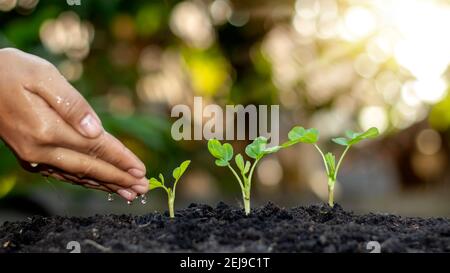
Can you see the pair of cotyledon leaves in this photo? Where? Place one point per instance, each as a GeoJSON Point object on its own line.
{"type": "Point", "coordinates": [224, 152]}
{"type": "Point", "coordinates": [258, 148]}
{"type": "Point", "coordinates": [300, 134]}
{"type": "Point", "coordinates": [177, 173]}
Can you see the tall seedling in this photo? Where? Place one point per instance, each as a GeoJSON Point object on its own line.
{"type": "Point", "coordinates": [301, 135]}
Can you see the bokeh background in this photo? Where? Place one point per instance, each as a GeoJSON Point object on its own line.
{"type": "Point", "coordinates": [330, 64]}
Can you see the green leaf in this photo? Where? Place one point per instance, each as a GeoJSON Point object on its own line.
{"type": "Point", "coordinates": [224, 153]}
{"type": "Point", "coordinates": [161, 178]}
{"type": "Point", "coordinates": [256, 148]}
{"type": "Point", "coordinates": [215, 148]}
{"type": "Point", "coordinates": [341, 141]}
{"type": "Point", "coordinates": [179, 171]}
{"type": "Point", "coordinates": [228, 151]}
{"type": "Point", "coordinates": [355, 137]}
{"type": "Point", "coordinates": [239, 162]}
{"type": "Point", "coordinates": [244, 166]}
{"type": "Point", "coordinates": [351, 134]}
{"type": "Point", "coordinates": [221, 163]}
{"type": "Point", "coordinates": [331, 163]}
{"type": "Point", "coordinates": [154, 183]}
{"type": "Point", "coordinates": [300, 134]}
{"type": "Point", "coordinates": [370, 133]}
{"type": "Point", "coordinates": [247, 167]}
{"type": "Point", "coordinates": [272, 150]}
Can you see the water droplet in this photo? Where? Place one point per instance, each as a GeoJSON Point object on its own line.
{"type": "Point", "coordinates": [129, 202]}
{"type": "Point", "coordinates": [59, 100]}
{"type": "Point", "coordinates": [95, 233]}
{"type": "Point", "coordinates": [67, 103]}
{"type": "Point", "coordinates": [143, 199]}
{"type": "Point", "coordinates": [34, 165]}
{"type": "Point", "coordinates": [110, 197]}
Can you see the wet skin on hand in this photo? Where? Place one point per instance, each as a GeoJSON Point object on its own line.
{"type": "Point", "coordinates": [53, 130]}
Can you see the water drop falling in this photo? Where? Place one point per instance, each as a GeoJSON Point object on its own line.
{"type": "Point", "coordinates": [110, 197]}
{"type": "Point", "coordinates": [143, 199]}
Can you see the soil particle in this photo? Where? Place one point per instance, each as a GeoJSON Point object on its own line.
{"type": "Point", "coordinates": [202, 228]}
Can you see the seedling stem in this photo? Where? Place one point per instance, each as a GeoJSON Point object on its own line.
{"type": "Point", "coordinates": [171, 201]}
{"type": "Point", "coordinates": [155, 183]}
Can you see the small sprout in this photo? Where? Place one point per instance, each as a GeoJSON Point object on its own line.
{"type": "Point", "coordinates": [255, 150]}
{"type": "Point", "coordinates": [177, 173]}
{"type": "Point", "coordinates": [302, 135]}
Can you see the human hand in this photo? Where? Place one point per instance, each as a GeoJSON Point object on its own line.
{"type": "Point", "coordinates": [53, 130]}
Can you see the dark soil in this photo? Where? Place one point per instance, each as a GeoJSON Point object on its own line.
{"type": "Point", "coordinates": [201, 228]}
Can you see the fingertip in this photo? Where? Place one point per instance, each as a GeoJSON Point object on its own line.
{"type": "Point", "coordinates": [140, 189]}
{"type": "Point", "coordinates": [143, 181]}
{"type": "Point", "coordinates": [127, 194]}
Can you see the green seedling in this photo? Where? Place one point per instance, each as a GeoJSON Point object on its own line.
{"type": "Point", "coordinates": [255, 150]}
{"type": "Point", "coordinates": [154, 183]}
{"type": "Point", "coordinates": [311, 136]}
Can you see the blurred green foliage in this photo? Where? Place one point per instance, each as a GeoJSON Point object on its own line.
{"type": "Point", "coordinates": [146, 130]}
{"type": "Point", "coordinates": [147, 135]}
{"type": "Point", "coordinates": [233, 67]}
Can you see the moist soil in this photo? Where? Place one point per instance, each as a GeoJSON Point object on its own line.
{"type": "Point", "coordinates": [202, 228]}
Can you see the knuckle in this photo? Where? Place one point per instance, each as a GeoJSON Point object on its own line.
{"type": "Point", "coordinates": [75, 109]}
{"type": "Point", "coordinates": [97, 149]}
{"type": "Point", "coordinates": [39, 69]}
{"type": "Point", "coordinates": [47, 66]}
{"type": "Point", "coordinates": [27, 153]}
{"type": "Point", "coordinates": [127, 179]}
{"type": "Point", "coordinates": [44, 134]}
{"type": "Point", "coordinates": [85, 167]}
{"type": "Point", "coordinates": [120, 179]}
{"type": "Point", "coordinates": [117, 161]}
{"type": "Point", "coordinates": [8, 51]}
